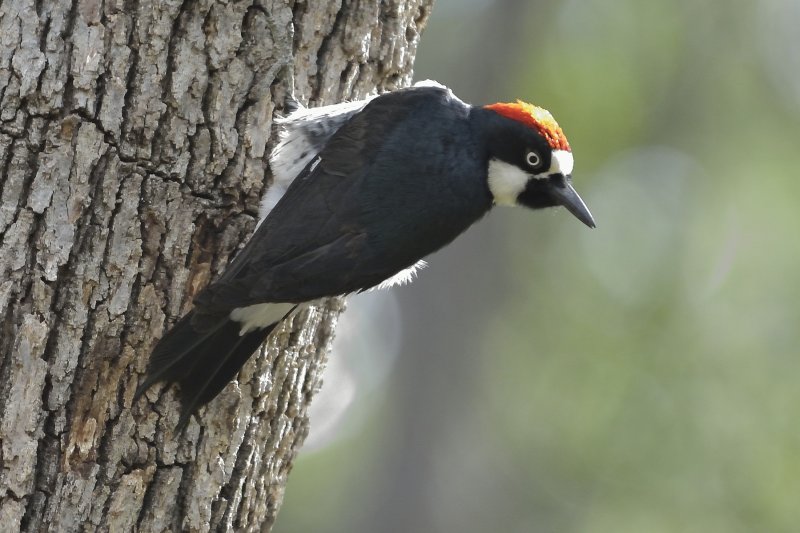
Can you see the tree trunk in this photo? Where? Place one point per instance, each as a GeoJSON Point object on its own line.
{"type": "Point", "coordinates": [133, 150]}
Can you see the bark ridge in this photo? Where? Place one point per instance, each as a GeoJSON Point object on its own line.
{"type": "Point", "coordinates": [133, 150]}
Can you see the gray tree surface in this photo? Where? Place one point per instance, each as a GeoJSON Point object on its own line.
{"type": "Point", "coordinates": [134, 141]}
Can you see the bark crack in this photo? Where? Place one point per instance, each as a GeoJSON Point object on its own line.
{"type": "Point", "coordinates": [324, 50]}
{"type": "Point", "coordinates": [129, 176]}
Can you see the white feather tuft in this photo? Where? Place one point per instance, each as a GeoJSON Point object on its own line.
{"type": "Point", "coordinates": [303, 134]}
{"type": "Point", "coordinates": [430, 83]}
{"type": "Point", "coordinates": [403, 277]}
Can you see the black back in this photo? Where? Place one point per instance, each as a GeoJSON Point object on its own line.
{"type": "Point", "coordinates": [401, 179]}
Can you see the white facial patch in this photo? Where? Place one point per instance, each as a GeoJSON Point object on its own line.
{"type": "Point", "coordinates": [506, 182]}
{"type": "Point", "coordinates": [259, 316]}
{"type": "Point", "coordinates": [561, 163]}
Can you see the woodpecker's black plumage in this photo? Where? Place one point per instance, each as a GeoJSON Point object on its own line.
{"type": "Point", "coordinates": [340, 228]}
{"type": "Point", "coordinates": [391, 182]}
{"type": "Point", "coordinates": [201, 358]}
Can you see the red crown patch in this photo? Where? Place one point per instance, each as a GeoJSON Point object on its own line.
{"type": "Point", "coordinates": [535, 117]}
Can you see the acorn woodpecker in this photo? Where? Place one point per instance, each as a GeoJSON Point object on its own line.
{"type": "Point", "coordinates": [362, 192]}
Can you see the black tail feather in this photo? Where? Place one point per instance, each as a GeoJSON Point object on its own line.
{"type": "Point", "coordinates": [171, 355]}
{"type": "Point", "coordinates": [201, 362]}
{"type": "Point", "coordinates": [217, 364]}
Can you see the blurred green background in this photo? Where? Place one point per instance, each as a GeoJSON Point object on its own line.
{"type": "Point", "coordinates": [543, 377]}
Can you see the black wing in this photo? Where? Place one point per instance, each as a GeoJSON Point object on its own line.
{"type": "Point", "coordinates": [335, 230]}
{"type": "Point", "coordinates": [349, 221]}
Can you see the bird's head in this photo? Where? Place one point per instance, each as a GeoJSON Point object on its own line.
{"type": "Point", "coordinates": [530, 160]}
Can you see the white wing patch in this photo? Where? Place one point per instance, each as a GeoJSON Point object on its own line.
{"type": "Point", "coordinates": [259, 316]}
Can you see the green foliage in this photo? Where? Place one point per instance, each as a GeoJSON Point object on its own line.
{"type": "Point", "coordinates": [641, 377]}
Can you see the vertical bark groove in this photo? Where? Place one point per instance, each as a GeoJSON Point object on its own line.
{"type": "Point", "coordinates": [134, 142]}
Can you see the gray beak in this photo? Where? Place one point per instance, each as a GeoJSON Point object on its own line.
{"type": "Point", "coordinates": [565, 195]}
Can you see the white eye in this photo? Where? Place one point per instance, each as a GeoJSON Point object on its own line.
{"type": "Point", "coordinates": [533, 159]}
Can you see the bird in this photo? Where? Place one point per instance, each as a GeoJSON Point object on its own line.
{"type": "Point", "coordinates": [362, 192]}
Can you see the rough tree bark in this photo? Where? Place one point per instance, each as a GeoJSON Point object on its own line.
{"type": "Point", "coordinates": [133, 150]}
